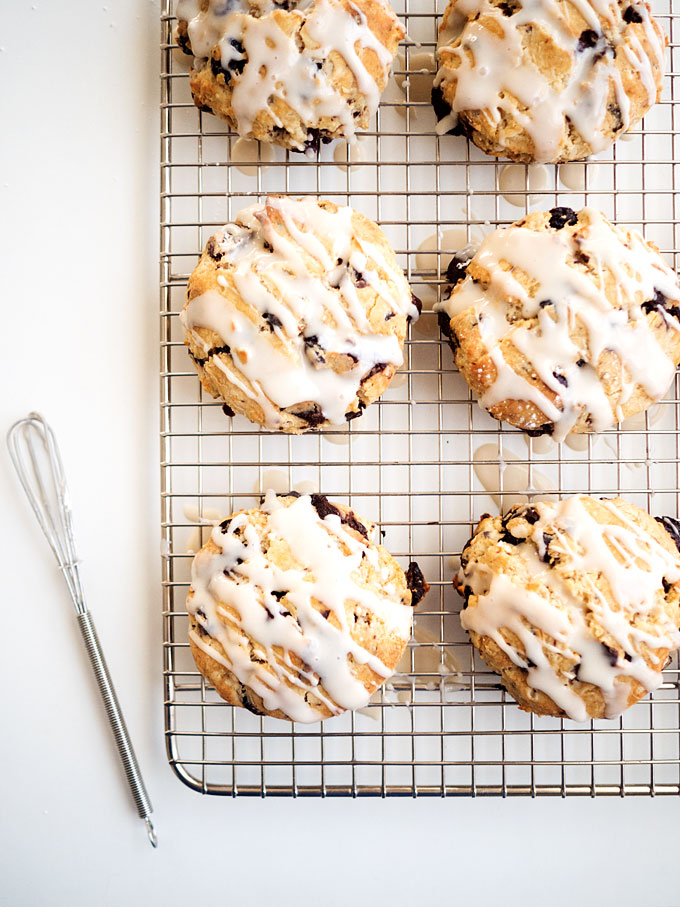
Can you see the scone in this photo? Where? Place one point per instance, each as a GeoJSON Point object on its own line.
{"type": "Point", "coordinates": [546, 80]}
{"type": "Point", "coordinates": [295, 613]}
{"type": "Point", "coordinates": [565, 323]}
{"type": "Point", "coordinates": [296, 314]}
{"type": "Point", "coordinates": [575, 603]}
{"type": "Point", "coordinates": [292, 72]}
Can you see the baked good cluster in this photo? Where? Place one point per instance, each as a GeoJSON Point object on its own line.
{"type": "Point", "coordinates": [562, 323]}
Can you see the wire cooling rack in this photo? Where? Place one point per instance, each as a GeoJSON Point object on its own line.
{"type": "Point", "coordinates": [425, 461]}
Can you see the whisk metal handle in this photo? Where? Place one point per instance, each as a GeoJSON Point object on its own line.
{"type": "Point", "coordinates": [116, 720]}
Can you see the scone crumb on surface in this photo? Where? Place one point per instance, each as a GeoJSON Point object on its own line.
{"type": "Point", "coordinates": [575, 603]}
{"type": "Point", "coordinates": [294, 612]}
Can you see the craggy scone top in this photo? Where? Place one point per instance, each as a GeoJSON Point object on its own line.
{"type": "Point", "coordinates": [295, 613]}
{"type": "Point", "coordinates": [547, 80]}
{"type": "Point", "coordinates": [297, 313]}
{"type": "Point", "coordinates": [291, 72]}
{"type": "Point", "coordinates": [576, 603]}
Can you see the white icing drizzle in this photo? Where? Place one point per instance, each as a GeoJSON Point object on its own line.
{"type": "Point", "coordinates": [251, 157]}
{"type": "Point", "coordinates": [634, 566]}
{"type": "Point", "coordinates": [495, 71]}
{"type": "Point", "coordinates": [570, 295]}
{"type": "Point", "coordinates": [516, 178]}
{"type": "Point", "coordinates": [276, 67]}
{"type": "Point", "coordinates": [327, 555]}
{"type": "Point", "coordinates": [418, 80]}
{"type": "Point", "coordinates": [507, 480]}
{"type": "Point", "coordinates": [303, 278]}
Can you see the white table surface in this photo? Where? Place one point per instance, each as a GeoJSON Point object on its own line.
{"type": "Point", "coordinates": [79, 201]}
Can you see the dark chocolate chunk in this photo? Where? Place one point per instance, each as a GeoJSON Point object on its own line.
{"type": "Point", "coordinates": [615, 111]}
{"type": "Point", "coordinates": [549, 557]}
{"type": "Point", "coordinates": [547, 429]}
{"type": "Point", "coordinates": [509, 538]}
{"type": "Point", "coordinates": [560, 217]}
{"type": "Point", "coordinates": [228, 571]}
{"type": "Point", "coordinates": [467, 592]}
{"type": "Point", "coordinates": [508, 7]}
{"type": "Point", "coordinates": [324, 507]}
{"type": "Point", "coordinates": [247, 703]}
{"type": "Point", "coordinates": [272, 320]}
{"type": "Point", "coordinates": [672, 527]}
{"type": "Point", "coordinates": [213, 249]}
{"type": "Point", "coordinates": [445, 327]}
{"type": "Point", "coordinates": [580, 362]}
{"type": "Point", "coordinates": [545, 303]}
{"type": "Point", "coordinates": [530, 514]}
{"type": "Point", "coordinates": [561, 378]}
{"type": "Point", "coordinates": [660, 304]}
{"type": "Point", "coordinates": [267, 246]}
{"type": "Point", "coordinates": [235, 65]}
{"type": "Point", "coordinates": [326, 613]}
{"type": "Point", "coordinates": [216, 350]}
{"type": "Point", "coordinates": [612, 654]}
{"type": "Point", "coordinates": [278, 595]}
{"type": "Point", "coordinates": [631, 15]}
{"type": "Point", "coordinates": [442, 110]}
{"type": "Point", "coordinates": [587, 39]}
{"type": "Point", "coordinates": [377, 368]}
{"type": "Point", "coordinates": [315, 137]}
{"type": "Point", "coordinates": [355, 415]}
{"type": "Point", "coordinates": [184, 44]}
{"type": "Point", "coordinates": [457, 267]}
{"type": "Point", "coordinates": [416, 583]}
{"type": "Point", "coordinates": [224, 525]}
{"type": "Point", "coordinates": [358, 279]}
{"type": "Point", "coordinates": [313, 416]}
{"type": "Point", "coordinates": [530, 663]}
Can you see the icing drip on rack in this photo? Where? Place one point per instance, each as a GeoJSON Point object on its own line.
{"type": "Point", "coordinates": [237, 602]}
{"type": "Point", "coordinates": [634, 566]}
{"type": "Point", "coordinates": [255, 38]}
{"type": "Point", "coordinates": [492, 70]}
{"type": "Point", "coordinates": [296, 266]}
{"type": "Point", "coordinates": [563, 294]}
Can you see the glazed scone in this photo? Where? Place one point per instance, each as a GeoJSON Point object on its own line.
{"type": "Point", "coordinates": [575, 603]}
{"type": "Point", "coordinates": [295, 613]}
{"type": "Point", "coordinates": [291, 72]}
{"type": "Point", "coordinates": [296, 314]}
{"type": "Point", "coordinates": [547, 80]}
{"type": "Point", "coordinates": [565, 323]}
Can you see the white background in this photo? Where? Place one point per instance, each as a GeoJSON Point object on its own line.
{"type": "Point", "coordinates": [79, 201]}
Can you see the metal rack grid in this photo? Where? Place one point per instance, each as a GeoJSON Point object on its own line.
{"type": "Point", "coordinates": [426, 471]}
